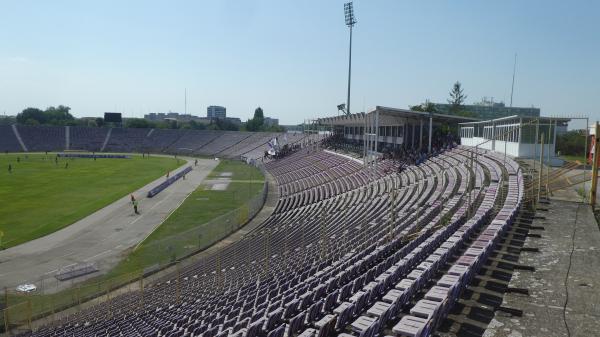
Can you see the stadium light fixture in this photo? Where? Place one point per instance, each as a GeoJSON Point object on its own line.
{"type": "Point", "coordinates": [342, 108]}
{"type": "Point", "coordinates": [350, 22]}
{"type": "Point", "coordinates": [349, 14]}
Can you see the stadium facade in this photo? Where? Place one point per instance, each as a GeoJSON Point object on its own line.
{"type": "Point", "coordinates": [514, 135]}
{"type": "Point", "coordinates": [393, 127]}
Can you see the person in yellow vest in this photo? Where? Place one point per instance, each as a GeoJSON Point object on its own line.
{"type": "Point", "coordinates": [135, 207]}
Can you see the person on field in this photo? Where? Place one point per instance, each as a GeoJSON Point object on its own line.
{"type": "Point", "coordinates": [67, 165]}
{"type": "Point", "coordinates": [168, 174]}
{"type": "Point", "coordinates": [135, 207]}
{"type": "Point", "coordinates": [132, 199]}
{"type": "Point", "coordinates": [196, 162]}
{"type": "Point", "coordinates": [9, 168]}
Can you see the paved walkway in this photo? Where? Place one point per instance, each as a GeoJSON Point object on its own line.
{"type": "Point", "coordinates": [101, 238]}
{"type": "Point", "coordinates": [564, 288]}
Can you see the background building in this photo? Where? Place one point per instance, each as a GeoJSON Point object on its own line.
{"type": "Point", "coordinates": [515, 135]}
{"type": "Point", "coordinates": [215, 111]}
{"type": "Point", "coordinates": [488, 109]}
{"type": "Point", "coordinates": [176, 116]}
{"type": "Point", "coordinates": [271, 121]}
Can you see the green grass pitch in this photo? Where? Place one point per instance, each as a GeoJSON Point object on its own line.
{"type": "Point", "coordinates": [40, 197]}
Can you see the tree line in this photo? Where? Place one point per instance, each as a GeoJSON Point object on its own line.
{"type": "Point", "coordinates": [60, 116]}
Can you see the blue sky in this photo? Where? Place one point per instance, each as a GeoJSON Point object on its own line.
{"type": "Point", "coordinates": [291, 57]}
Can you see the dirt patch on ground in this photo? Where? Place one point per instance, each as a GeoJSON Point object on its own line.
{"type": "Point", "coordinates": [219, 184]}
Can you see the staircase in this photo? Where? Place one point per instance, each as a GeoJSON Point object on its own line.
{"type": "Point", "coordinates": [106, 139]}
{"type": "Point", "coordinates": [16, 131]}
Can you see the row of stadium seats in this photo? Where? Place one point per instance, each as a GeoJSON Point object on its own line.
{"type": "Point", "coordinates": [380, 253]}
{"type": "Point", "coordinates": [227, 144]}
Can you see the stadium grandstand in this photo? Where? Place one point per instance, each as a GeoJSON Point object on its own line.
{"type": "Point", "coordinates": [226, 144]}
{"type": "Point", "coordinates": [353, 248]}
{"type": "Point", "coordinates": [387, 226]}
{"type": "Point", "coordinates": [452, 219]}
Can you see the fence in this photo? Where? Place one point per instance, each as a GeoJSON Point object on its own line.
{"type": "Point", "coordinates": [53, 297]}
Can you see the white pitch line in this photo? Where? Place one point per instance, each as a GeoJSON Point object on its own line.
{"type": "Point", "coordinates": [91, 258]}
{"type": "Point", "coordinates": [71, 253]}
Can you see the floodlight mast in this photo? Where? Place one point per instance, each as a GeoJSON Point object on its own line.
{"type": "Point", "coordinates": [350, 22]}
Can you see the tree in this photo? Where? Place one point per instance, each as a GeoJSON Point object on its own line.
{"type": "Point", "coordinates": [257, 122]}
{"type": "Point", "coordinates": [138, 123]}
{"type": "Point", "coordinates": [457, 98]}
{"type": "Point", "coordinates": [224, 124]}
{"type": "Point", "coordinates": [196, 126]}
{"type": "Point", "coordinates": [424, 107]}
{"type": "Point", "coordinates": [259, 116]}
{"type": "Point", "coordinates": [54, 116]}
{"type": "Point", "coordinates": [31, 114]}
{"type": "Point", "coordinates": [465, 113]}
{"type": "Point", "coordinates": [571, 143]}
{"type": "Point", "coordinates": [31, 121]}
{"type": "Point", "coordinates": [59, 115]}
{"type": "Point", "coordinates": [99, 121]}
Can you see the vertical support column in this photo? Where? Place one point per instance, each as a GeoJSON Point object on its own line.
{"type": "Point", "coordinates": [141, 291]}
{"type": "Point", "coordinates": [414, 131]}
{"type": "Point", "coordinates": [541, 171]}
{"type": "Point", "coordinates": [376, 145]}
{"type": "Point", "coordinates": [29, 313]}
{"type": "Point", "coordinates": [6, 317]}
{"type": "Point", "coordinates": [392, 211]}
{"type": "Point", "coordinates": [520, 129]}
{"type": "Point", "coordinates": [421, 134]}
{"type": "Point", "coordinates": [493, 136]}
{"type": "Point", "coordinates": [469, 175]}
{"type": "Point", "coordinates": [365, 139]}
{"type": "Point", "coordinates": [179, 278]}
{"type": "Point", "coordinates": [535, 143]}
{"type": "Point", "coordinates": [550, 134]}
{"type": "Point", "coordinates": [430, 133]}
{"type": "Point", "coordinates": [323, 235]}
{"type": "Point", "coordinates": [586, 151]}
{"type": "Point", "coordinates": [594, 186]}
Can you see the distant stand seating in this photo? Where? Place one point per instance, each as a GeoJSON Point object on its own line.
{"type": "Point", "coordinates": [43, 138]}
{"type": "Point", "coordinates": [8, 140]}
{"type": "Point", "coordinates": [226, 144]}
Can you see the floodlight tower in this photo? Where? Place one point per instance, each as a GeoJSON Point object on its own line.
{"type": "Point", "coordinates": [350, 22]}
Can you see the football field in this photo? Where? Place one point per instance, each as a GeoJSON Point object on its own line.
{"type": "Point", "coordinates": [40, 195]}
